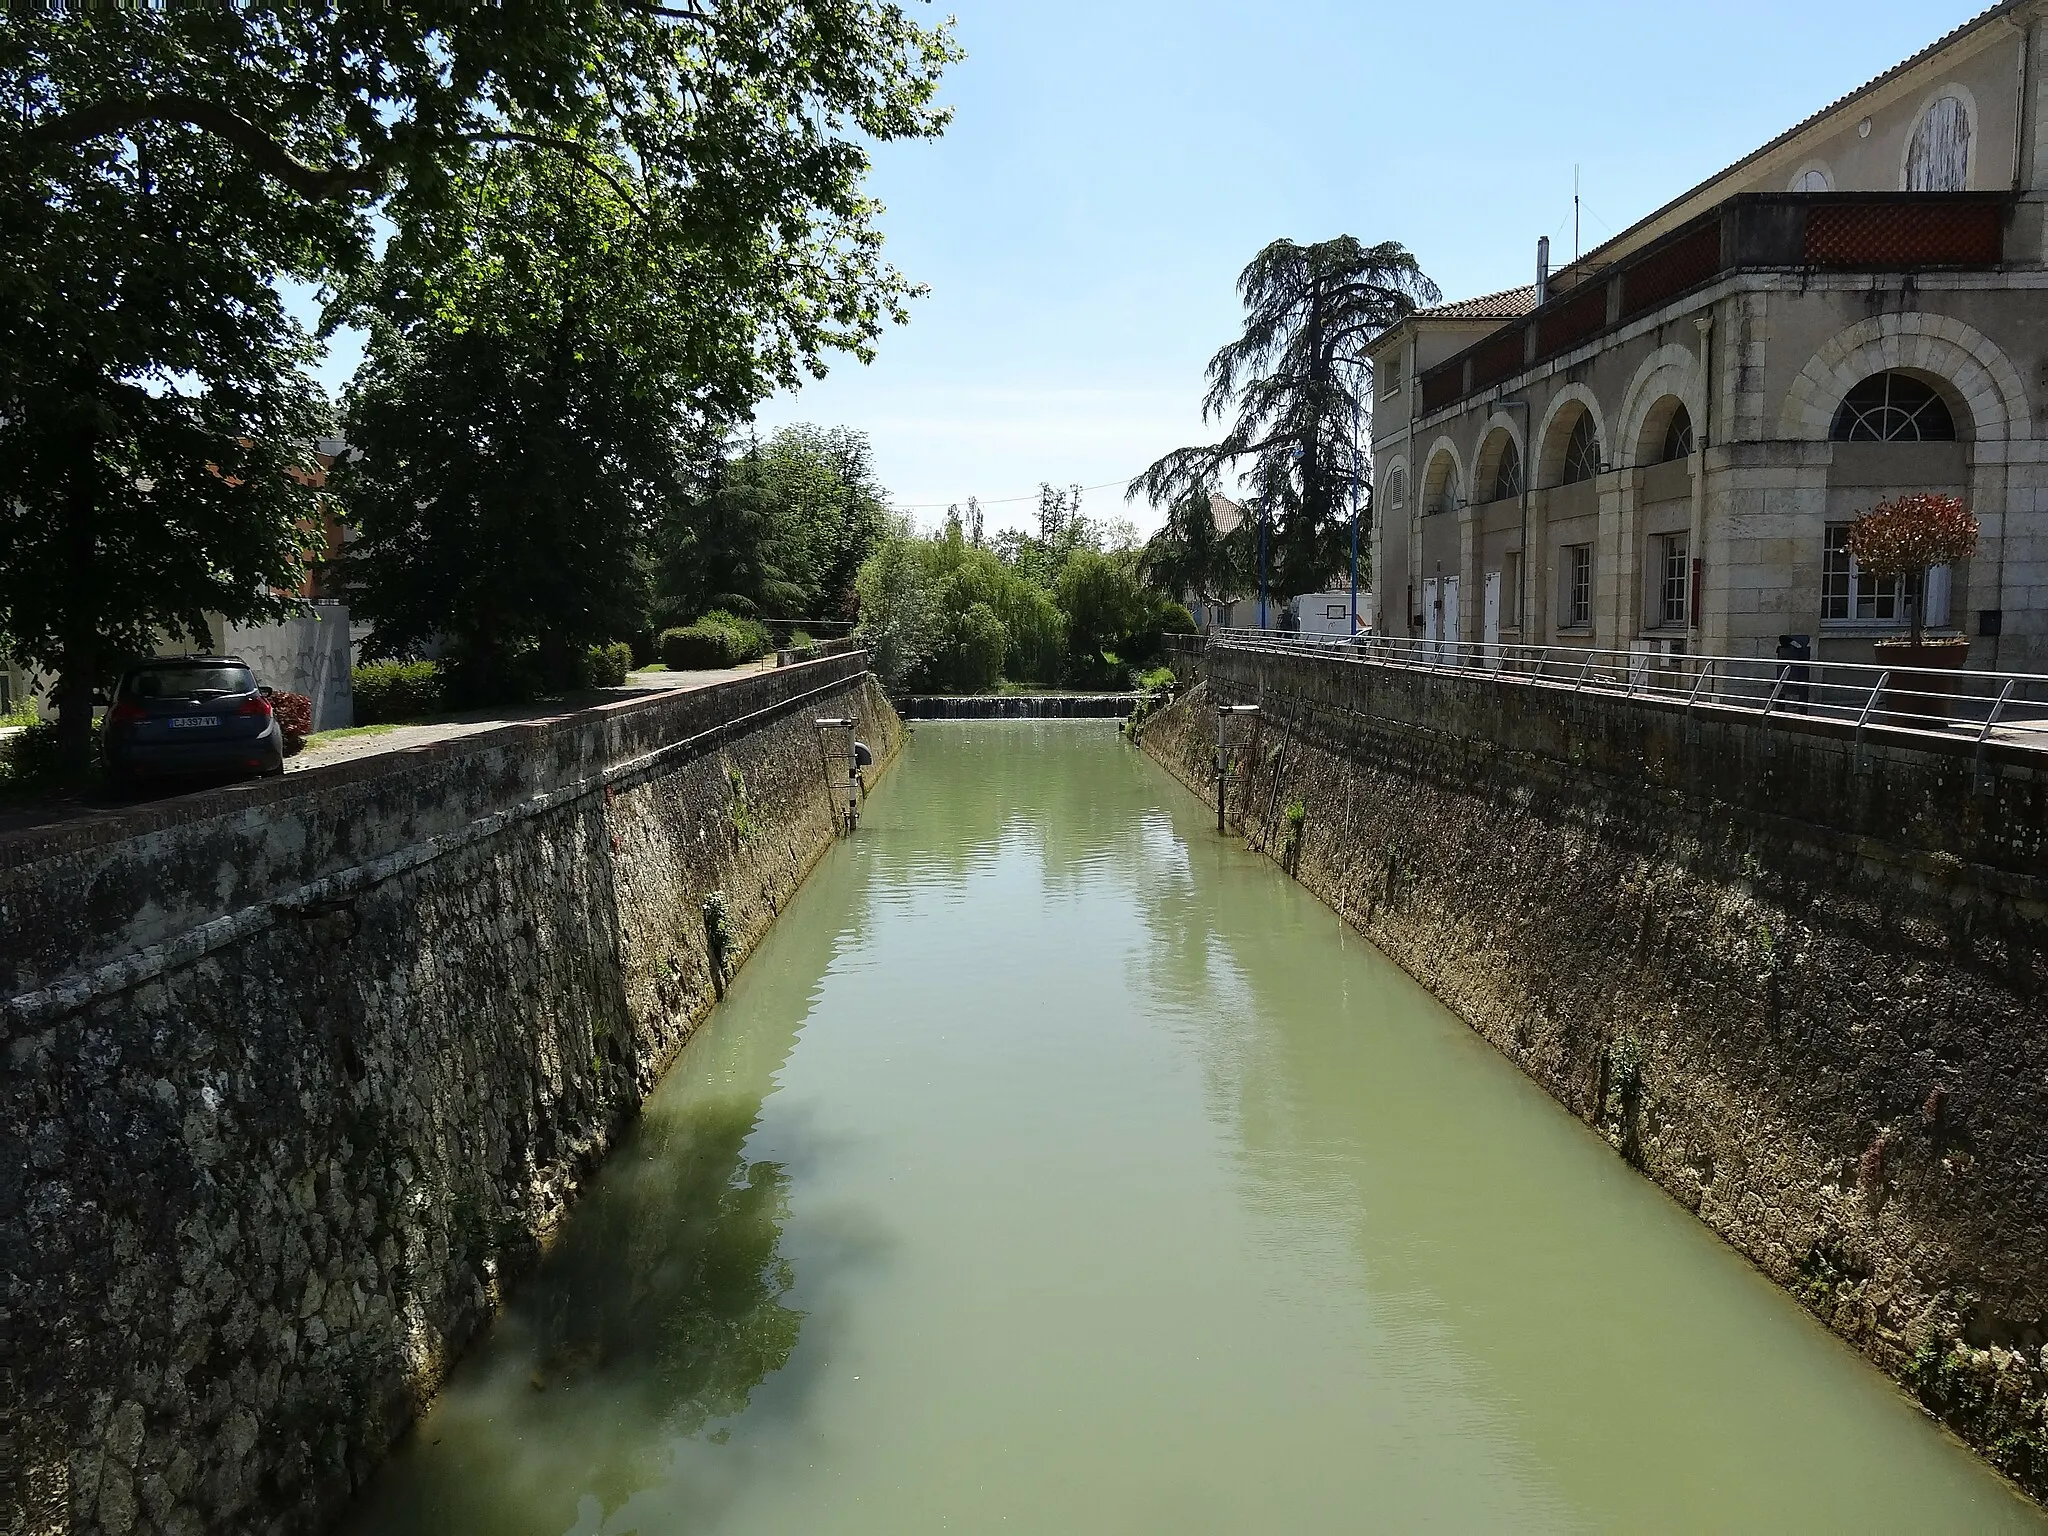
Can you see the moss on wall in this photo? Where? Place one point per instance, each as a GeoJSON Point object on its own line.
{"type": "Point", "coordinates": [1823, 1037]}
{"type": "Point", "coordinates": [255, 1202]}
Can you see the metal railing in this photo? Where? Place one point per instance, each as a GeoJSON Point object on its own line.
{"type": "Point", "coordinates": [2010, 708]}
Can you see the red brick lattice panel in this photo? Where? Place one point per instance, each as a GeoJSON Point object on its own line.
{"type": "Point", "coordinates": [1500, 356]}
{"type": "Point", "coordinates": [1664, 274]}
{"type": "Point", "coordinates": [1443, 386]}
{"type": "Point", "coordinates": [1575, 319]}
{"type": "Point", "coordinates": [1903, 234]}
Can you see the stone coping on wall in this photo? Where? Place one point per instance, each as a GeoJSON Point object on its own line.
{"type": "Point", "coordinates": [88, 893]}
{"type": "Point", "coordinates": [1914, 798]}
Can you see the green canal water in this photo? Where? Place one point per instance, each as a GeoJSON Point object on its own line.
{"type": "Point", "coordinates": [1056, 1166]}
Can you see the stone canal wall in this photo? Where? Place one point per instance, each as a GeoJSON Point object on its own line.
{"type": "Point", "coordinates": [1802, 985]}
{"type": "Point", "coordinates": [298, 1076]}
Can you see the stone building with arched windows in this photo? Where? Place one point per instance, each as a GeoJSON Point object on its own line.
{"type": "Point", "coordinates": [1660, 445]}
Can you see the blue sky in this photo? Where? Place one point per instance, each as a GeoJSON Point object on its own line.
{"type": "Point", "coordinates": [1113, 164]}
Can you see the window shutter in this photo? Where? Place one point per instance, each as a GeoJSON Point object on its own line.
{"type": "Point", "coordinates": [1937, 596]}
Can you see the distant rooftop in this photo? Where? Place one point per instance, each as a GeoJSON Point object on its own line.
{"type": "Point", "coordinates": [1508, 304]}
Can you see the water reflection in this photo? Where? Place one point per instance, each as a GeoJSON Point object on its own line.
{"type": "Point", "coordinates": [1058, 1166]}
{"type": "Point", "coordinates": [657, 1315]}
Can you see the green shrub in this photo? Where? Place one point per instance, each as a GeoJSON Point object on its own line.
{"type": "Point", "coordinates": [800, 640]}
{"type": "Point", "coordinates": [698, 647]}
{"type": "Point", "coordinates": [751, 637]}
{"type": "Point", "coordinates": [979, 643]}
{"type": "Point", "coordinates": [30, 760]}
{"type": "Point", "coordinates": [606, 666]}
{"type": "Point", "coordinates": [387, 691]}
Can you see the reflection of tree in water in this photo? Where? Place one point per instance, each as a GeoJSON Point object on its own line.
{"type": "Point", "coordinates": [673, 1287]}
{"type": "Point", "coordinates": [979, 784]}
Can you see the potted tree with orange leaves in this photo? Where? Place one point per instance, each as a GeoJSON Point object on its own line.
{"type": "Point", "coordinates": [1904, 539]}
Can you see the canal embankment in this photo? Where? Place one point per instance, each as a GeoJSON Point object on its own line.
{"type": "Point", "coordinates": [296, 1084]}
{"type": "Point", "coordinates": [1796, 976]}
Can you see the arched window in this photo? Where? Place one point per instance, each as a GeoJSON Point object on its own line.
{"type": "Point", "coordinates": [1893, 408]}
{"type": "Point", "coordinates": [1396, 491]}
{"type": "Point", "coordinates": [1813, 179]}
{"type": "Point", "coordinates": [1677, 436]}
{"type": "Point", "coordinates": [1938, 159]}
{"type": "Point", "coordinates": [1440, 488]}
{"type": "Point", "coordinates": [1507, 473]}
{"type": "Point", "coordinates": [1582, 453]}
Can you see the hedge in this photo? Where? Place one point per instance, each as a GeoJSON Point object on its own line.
{"type": "Point", "coordinates": [606, 666]}
{"type": "Point", "coordinates": [719, 639]}
{"type": "Point", "coordinates": [387, 691]}
{"type": "Point", "coordinates": [699, 647]}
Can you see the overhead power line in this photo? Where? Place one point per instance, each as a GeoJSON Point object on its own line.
{"type": "Point", "coordinates": [1000, 501]}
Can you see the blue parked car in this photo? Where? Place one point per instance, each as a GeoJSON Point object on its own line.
{"type": "Point", "coordinates": [189, 717]}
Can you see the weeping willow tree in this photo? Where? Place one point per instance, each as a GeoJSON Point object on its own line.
{"type": "Point", "coordinates": [1296, 386]}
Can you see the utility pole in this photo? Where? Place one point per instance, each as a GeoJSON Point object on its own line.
{"type": "Point", "coordinates": [1262, 565]}
{"type": "Point", "coordinates": [1355, 405]}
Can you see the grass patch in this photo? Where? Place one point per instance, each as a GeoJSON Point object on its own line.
{"type": "Point", "coordinates": [343, 732]}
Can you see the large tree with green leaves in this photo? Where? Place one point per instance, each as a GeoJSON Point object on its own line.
{"type": "Point", "coordinates": [774, 530]}
{"type": "Point", "coordinates": [153, 405]}
{"type": "Point", "coordinates": [1298, 386]}
{"type": "Point", "coordinates": [532, 386]}
{"type": "Point", "coordinates": [740, 123]}
{"type": "Point", "coordinates": [1204, 551]}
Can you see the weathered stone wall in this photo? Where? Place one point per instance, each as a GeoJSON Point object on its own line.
{"type": "Point", "coordinates": [1799, 985]}
{"type": "Point", "coordinates": [296, 1077]}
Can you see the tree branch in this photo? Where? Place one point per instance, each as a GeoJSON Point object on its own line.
{"type": "Point", "coordinates": [670, 12]}
{"type": "Point", "coordinates": [121, 114]}
{"type": "Point", "coordinates": [575, 149]}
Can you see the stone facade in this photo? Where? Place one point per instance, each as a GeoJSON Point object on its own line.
{"type": "Point", "coordinates": [1796, 980]}
{"type": "Point", "coordinates": [299, 1076]}
{"type": "Point", "coordinates": [1715, 540]}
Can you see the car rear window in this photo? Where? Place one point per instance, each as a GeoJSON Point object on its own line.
{"type": "Point", "coordinates": [189, 682]}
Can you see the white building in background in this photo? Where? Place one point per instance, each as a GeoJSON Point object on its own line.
{"type": "Point", "coordinates": [1661, 446]}
{"type": "Point", "coordinates": [1327, 615]}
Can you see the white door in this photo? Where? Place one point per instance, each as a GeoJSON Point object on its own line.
{"type": "Point", "coordinates": [1492, 618]}
{"type": "Point", "coordinates": [1432, 620]}
{"type": "Point", "coordinates": [1451, 632]}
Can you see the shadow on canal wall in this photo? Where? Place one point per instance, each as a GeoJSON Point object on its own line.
{"type": "Point", "coordinates": [292, 1092]}
{"type": "Point", "coordinates": [1804, 993]}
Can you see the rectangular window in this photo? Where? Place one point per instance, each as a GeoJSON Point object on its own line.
{"type": "Point", "coordinates": [1336, 610]}
{"type": "Point", "coordinates": [1576, 609]}
{"type": "Point", "coordinates": [1511, 591]}
{"type": "Point", "coordinates": [1672, 573]}
{"type": "Point", "coordinates": [1846, 594]}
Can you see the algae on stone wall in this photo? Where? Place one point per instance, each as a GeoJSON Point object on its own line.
{"type": "Point", "coordinates": [1803, 997]}
{"type": "Point", "coordinates": [256, 1202]}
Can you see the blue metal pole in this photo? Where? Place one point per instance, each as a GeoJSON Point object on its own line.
{"type": "Point", "coordinates": [1354, 514]}
{"type": "Point", "coordinates": [1262, 568]}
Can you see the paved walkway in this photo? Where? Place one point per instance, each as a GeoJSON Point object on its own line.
{"type": "Point", "coordinates": [320, 753]}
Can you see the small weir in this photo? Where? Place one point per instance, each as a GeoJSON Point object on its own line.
{"type": "Point", "coordinates": [1056, 1165]}
{"type": "Point", "coordinates": [1018, 706]}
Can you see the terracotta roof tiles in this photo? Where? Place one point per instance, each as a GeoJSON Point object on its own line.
{"type": "Point", "coordinates": [1508, 304]}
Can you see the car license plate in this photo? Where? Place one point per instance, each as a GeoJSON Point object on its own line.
{"type": "Point", "coordinates": [191, 722]}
